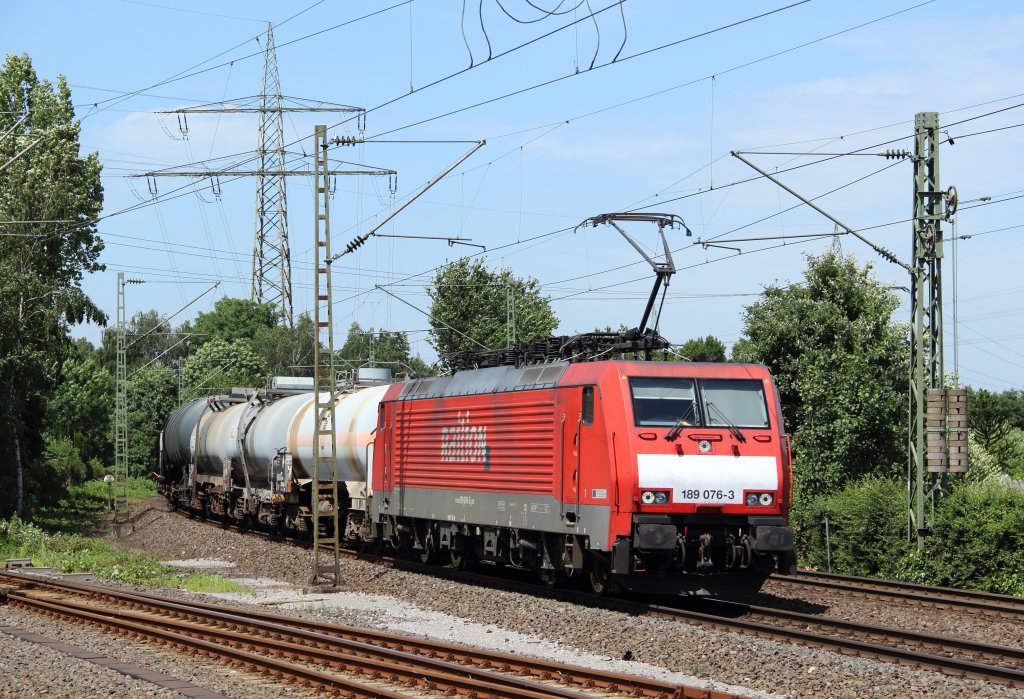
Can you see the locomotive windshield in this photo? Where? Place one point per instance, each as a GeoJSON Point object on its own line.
{"type": "Point", "coordinates": [661, 402]}
{"type": "Point", "coordinates": [739, 402]}
{"type": "Point", "coordinates": [667, 401]}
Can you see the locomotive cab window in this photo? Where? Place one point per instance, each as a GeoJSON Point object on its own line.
{"type": "Point", "coordinates": [663, 401]}
{"type": "Point", "coordinates": [587, 415]}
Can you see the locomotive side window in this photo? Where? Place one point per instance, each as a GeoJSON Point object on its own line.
{"type": "Point", "coordinates": [662, 401]}
{"type": "Point", "coordinates": [739, 402]}
{"type": "Point", "coordinates": [588, 405]}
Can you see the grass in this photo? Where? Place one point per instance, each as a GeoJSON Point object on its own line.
{"type": "Point", "coordinates": [85, 509]}
{"type": "Point", "coordinates": [206, 582]}
{"type": "Point", "coordinates": [59, 538]}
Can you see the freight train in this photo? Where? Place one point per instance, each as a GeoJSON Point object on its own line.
{"type": "Point", "coordinates": [645, 476]}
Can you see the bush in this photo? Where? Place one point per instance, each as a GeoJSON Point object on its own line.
{"type": "Point", "coordinates": [978, 539]}
{"type": "Point", "coordinates": [867, 528]}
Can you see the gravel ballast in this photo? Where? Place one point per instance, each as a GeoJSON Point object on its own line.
{"type": "Point", "coordinates": [385, 598]}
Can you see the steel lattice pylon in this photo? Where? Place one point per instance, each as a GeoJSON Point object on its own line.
{"type": "Point", "coordinates": [271, 258]}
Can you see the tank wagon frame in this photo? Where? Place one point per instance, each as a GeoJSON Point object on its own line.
{"type": "Point", "coordinates": [657, 477]}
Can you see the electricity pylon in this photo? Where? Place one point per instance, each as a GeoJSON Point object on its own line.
{"type": "Point", "coordinates": [271, 256]}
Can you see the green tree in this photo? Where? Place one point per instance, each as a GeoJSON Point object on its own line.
{"type": "Point", "coordinates": [147, 339]}
{"type": "Point", "coordinates": [840, 362]}
{"type": "Point", "coordinates": [702, 349]}
{"type": "Point", "coordinates": [231, 319]}
{"type": "Point", "coordinates": [44, 179]}
{"type": "Point", "coordinates": [1013, 402]}
{"type": "Point", "coordinates": [64, 464]}
{"type": "Point", "coordinates": [989, 416]}
{"type": "Point", "coordinates": [82, 407]}
{"type": "Point", "coordinates": [381, 347]}
{"type": "Point", "coordinates": [218, 366]}
{"type": "Point", "coordinates": [867, 522]}
{"type": "Point", "coordinates": [286, 351]}
{"type": "Point", "coordinates": [152, 395]}
{"type": "Point", "coordinates": [469, 305]}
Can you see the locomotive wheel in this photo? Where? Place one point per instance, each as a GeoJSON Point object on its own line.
{"type": "Point", "coordinates": [599, 577]}
{"type": "Point", "coordinates": [428, 553]}
{"type": "Point", "coordinates": [461, 557]}
{"type": "Point", "coordinates": [551, 578]}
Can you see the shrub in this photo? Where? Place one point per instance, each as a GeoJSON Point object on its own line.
{"type": "Point", "coordinates": [867, 528]}
{"type": "Point", "coordinates": [978, 539]}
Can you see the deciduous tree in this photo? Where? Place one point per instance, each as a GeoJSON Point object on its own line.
{"type": "Point", "coordinates": [469, 308]}
{"type": "Point", "coordinates": [152, 395]}
{"type": "Point", "coordinates": [82, 407]}
{"type": "Point", "coordinates": [702, 349]}
{"type": "Point", "coordinates": [232, 319]}
{"type": "Point", "coordinates": [218, 366]}
{"type": "Point", "coordinates": [286, 351]}
{"type": "Point", "coordinates": [841, 364]}
{"type": "Point", "coordinates": [381, 347]}
{"type": "Point", "coordinates": [48, 185]}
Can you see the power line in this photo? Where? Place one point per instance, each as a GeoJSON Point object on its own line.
{"type": "Point", "coordinates": [570, 75]}
{"type": "Point", "coordinates": [187, 74]}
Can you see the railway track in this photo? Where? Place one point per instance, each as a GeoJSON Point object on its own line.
{"type": "Point", "coordinates": [988, 603]}
{"type": "Point", "coordinates": [951, 656]}
{"type": "Point", "coordinates": [344, 661]}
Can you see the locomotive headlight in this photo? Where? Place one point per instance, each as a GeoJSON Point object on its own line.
{"type": "Point", "coordinates": [766, 499]}
{"type": "Point", "coordinates": [751, 499]}
{"type": "Point", "coordinates": [654, 497]}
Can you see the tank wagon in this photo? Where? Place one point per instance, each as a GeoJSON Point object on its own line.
{"type": "Point", "coordinates": [655, 477]}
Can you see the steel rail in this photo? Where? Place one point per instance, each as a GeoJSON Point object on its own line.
{"type": "Point", "coordinates": [973, 649]}
{"type": "Point", "coordinates": [250, 661]}
{"type": "Point", "coordinates": [871, 649]}
{"type": "Point", "coordinates": [974, 600]}
{"type": "Point", "coordinates": [947, 665]}
{"type": "Point", "coordinates": [422, 673]}
{"type": "Point", "coordinates": [326, 637]}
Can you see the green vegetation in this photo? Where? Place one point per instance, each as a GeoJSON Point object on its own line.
{"type": "Point", "coordinates": [85, 508]}
{"type": "Point", "coordinates": [71, 553]}
{"type": "Point", "coordinates": [867, 528]}
{"type": "Point", "coordinates": [977, 541]}
{"type": "Point", "coordinates": [473, 299]}
{"type": "Point", "coordinates": [840, 362]}
{"type": "Point", "coordinates": [41, 270]}
{"type": "Point", "coordinates": [702, 349]}
{"type": "Point", "coordinates": [389, 349]}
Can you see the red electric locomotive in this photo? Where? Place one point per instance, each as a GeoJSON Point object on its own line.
{"type": "Point", "coordinates": [658, 477]}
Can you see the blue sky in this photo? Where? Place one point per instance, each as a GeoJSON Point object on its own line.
{"type": "Point", "coordinates": [646, 130]}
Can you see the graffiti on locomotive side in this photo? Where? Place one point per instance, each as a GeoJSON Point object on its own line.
{"type": "Point", "coordinates": [464, 442]}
